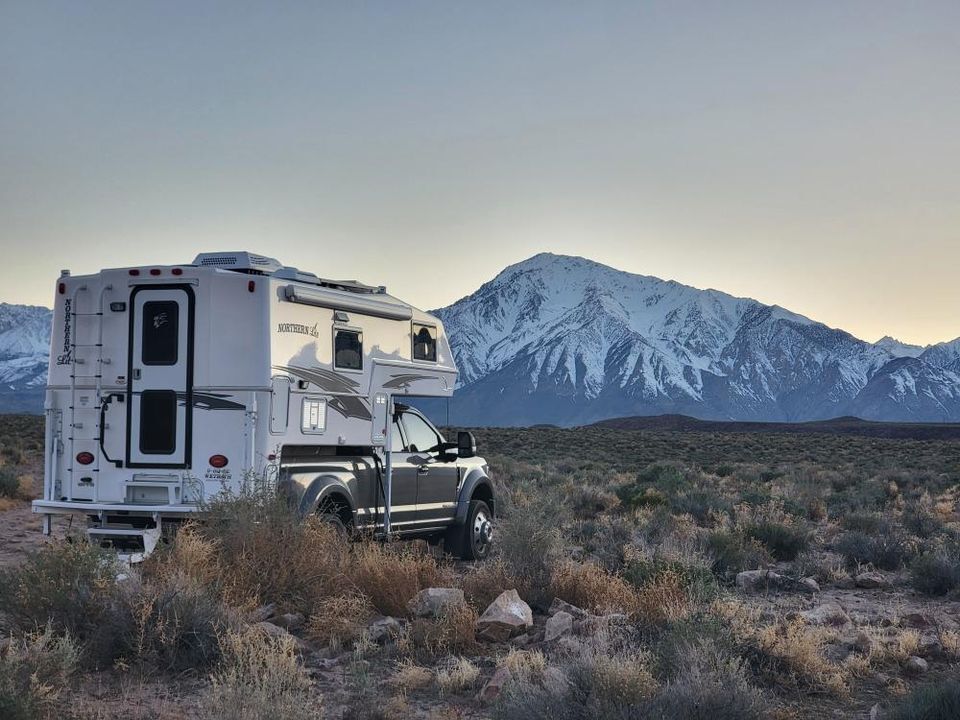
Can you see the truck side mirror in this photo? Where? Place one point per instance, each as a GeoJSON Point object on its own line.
{"type": "Point", "coordinates": [466, 444]}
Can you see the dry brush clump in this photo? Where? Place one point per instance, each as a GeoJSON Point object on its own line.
{"type": "Point", "coordinates": [35, 669]}
{"type": "Point", "coordinates": [260, 678]}
{"type": "Point", "coordinates": [592, 588]}
{"type": "Point", "coordinates": [389, 576]}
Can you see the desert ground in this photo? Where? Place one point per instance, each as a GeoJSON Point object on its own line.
{"type": "Point", "coordinates": [638, 573]}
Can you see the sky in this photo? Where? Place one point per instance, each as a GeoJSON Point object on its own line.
{"type": "Point", "coordinates": [804, 154]}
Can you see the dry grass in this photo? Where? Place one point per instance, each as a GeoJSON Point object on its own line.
{"type": "Point", "coordinates": [260, 679]}
{"type": "Point", "coordinates": [454, 632]}
{"type": "Point", "coordinates": [592, 588]}
{"type": "Point", "coordinates": [34, 671]}
{"type": "Point", "coordinates": [483, 583]}
{"type": "Point", "coordinates": [456, 676]}
{"type": "Point", "coordinates": [339, 620]}
{"type": "Point", "coordinates": [664, 598]}
{"type": "Point", "coordinates": [409, 677]}
{"type": "Point", "coordinates": [792, 653]}
{"type": "Point", "coordinates": [391, 576]}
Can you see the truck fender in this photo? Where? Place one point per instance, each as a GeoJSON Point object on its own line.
{"type": "Point", "coordinates": [475, 482]}
{"type": "Point", "coordinates": [310, 488]}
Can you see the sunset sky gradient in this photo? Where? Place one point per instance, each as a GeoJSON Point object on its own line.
{"type": "Point", "coordinates": [804, 154]}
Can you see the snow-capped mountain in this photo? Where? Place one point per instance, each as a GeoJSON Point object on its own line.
{"type": "Point", "coordinates": [24, 349]}
{"type": "Point", "coordinates": [566, 340]}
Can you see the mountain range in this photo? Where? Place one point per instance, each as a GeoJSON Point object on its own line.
{"type": "Point", "coordinates": [568, 341]}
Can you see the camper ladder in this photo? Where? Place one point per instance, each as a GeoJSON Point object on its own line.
{"type": "Point", "coordinates": [84, 380]}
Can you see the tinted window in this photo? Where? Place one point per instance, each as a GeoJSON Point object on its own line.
{"type": "Point", "coordinates": [158, 422]}
{"type": "Point", "coordinates": [424, 343]}
{"type": "Point", "coordinates": [348, 350]}
{"type": "Point", "coordinates": [420, 436]}
{"type": "Point", "coordinates": [161, 332]}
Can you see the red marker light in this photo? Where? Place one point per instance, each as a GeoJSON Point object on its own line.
{"type": "Point", "coordinates": [251, 286]}
{"type": "Point", "coordinates": [85, 458]}
{"type": "Point", "coordinates": [177, 271]}
{"type": "Point", "coordinates": [154, 271]}
{"type": "Point", "coordinates": [218, 461]}
{"type": "Point", "coordinates": [62, 288]}
{"type": "Point", "coordinates": [133, 272]}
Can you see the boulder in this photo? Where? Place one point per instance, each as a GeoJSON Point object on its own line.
{"type": "Point", "coordinates": [507, 615]}
{"type": "Point", "coordinates": [494, 686]}
{"type": "Point", "coordinates": [558, 626]}
{"type": "Point", "coordinates": [917, 620]}
{"type": "Point", "coordinates": [559, 605]}
{"type": "Point", "coordinates": [916, 665]}
{"type": "Point", "coordinates": [871, 580]}
{"type": "Point", "coordinates": [264, 612]}
{"type": "Point", "coordinates": [289, 621]}
{"type": "Point", "coordinates": [434, 602]}
{"type": "Point", "coordinates": [384, 629]}
{"type": "Point", "coordinates": [930, 647]}
{"type": "Point", "coordinates": [809, 584]}
{"type": "Point", "coordinates": [826, 614]}
{"type": "Point", "coordinates": [753, 580]}
{"type": "Point", "coordinates": [268, 628]}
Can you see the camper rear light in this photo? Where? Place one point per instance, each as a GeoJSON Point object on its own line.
{"type": "Point", "coordinates": [62, 288]}
{"type": "Point", "coordinates": [133, 272]}
{"type": "Point", "coordinates": [218, 461]}
{"type": "Point", "coordinates": [85, 458]}
{"type": "Point", "coordinates": [177, 271]}
{"type": "Point", "coordinates": [154, 271]}
{"type": "Point", "coordinates": [251, 286]}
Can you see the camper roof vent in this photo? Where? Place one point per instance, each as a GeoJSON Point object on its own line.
{"type": "Point", "coordinates": [239, 261]}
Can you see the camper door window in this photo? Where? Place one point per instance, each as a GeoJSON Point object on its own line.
{"type": "Point", "coordinates": [348, 350]}
{"type": "Point", "coordinates": [424, 343]}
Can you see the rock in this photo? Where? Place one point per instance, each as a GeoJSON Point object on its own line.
{"type": "Point", "coordinates": [809, 584]}
{"type": "Point", "coordinates": [434, 602]}
{"type": "Point", "coordinates": [384, 629]}
{"type": "Point", "coordinates": [930, 647]}
{"type": "Point", "coordinates": [494, 687]}
{"type": "Point", "coordinates": [268, 628]}
{"type": "Point", "coordinates": [753, 580]}
{"type": "Point", "coordinates": [521, 640]}
{"type": "Point", "coordinates": [875, 712]}
{"type": "Point", "coordinates": [826, 614]}
{"type": "Point", "coordinates": [289, 621]}
{"type": "Point", "coordinates": [917, 620]}
{"type": "Point", "coordinates": [555, 680]}
{"type": "Point", "coordinates": [559, 605]}
{"type": "Point", "coordinates": [507, 615]}
{"type": "Point", "coordinates": [264, 612]}
{"type": "Point", "coordinates": [592, 624]}
{"type": "Point", "coordinates": [846, 583]}
{"type": "Point", "coordinates": [871, 580]}
{"type": "Point", "coordinates": [558, 626]}
{"type": "Point", "coordinates": [916, 665]}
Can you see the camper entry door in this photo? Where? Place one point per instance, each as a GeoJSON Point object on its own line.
{"type": "Point", "coordinates": [160, 377]}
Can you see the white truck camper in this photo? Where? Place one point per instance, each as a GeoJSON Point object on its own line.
{"type": "Point", "coordinates": [171, 385]}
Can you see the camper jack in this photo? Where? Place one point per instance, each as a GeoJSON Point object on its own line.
{"type": "Point", "coordinates": [170, 385]}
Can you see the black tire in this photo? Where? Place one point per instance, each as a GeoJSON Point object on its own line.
{"type": "Point", "coordinates": [336, 523]}
{"type": "Point", "coordinates": [473, 539]}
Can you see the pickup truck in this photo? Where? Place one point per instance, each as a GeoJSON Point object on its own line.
{"type": "Point", "coordinates": [441, 491]}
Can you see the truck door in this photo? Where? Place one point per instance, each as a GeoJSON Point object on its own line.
{"type": "Point", "coordinates": [160, 376]}
{"type": "Point", "coordinates": [437, 482]}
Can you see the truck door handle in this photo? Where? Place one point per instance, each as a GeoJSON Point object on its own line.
{"type": "Point", "coordinates": [423, 470]}
{"type": "Point", "coordinates": [136, 373]}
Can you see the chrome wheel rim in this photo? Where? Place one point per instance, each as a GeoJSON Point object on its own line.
{"type": "Point", "coordinates": [482, 531]}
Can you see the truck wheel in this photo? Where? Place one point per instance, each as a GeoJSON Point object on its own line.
{"type": "Point", "coordinates": [334, 521]}
{"type": "Point", "coordinates": [477, 533]}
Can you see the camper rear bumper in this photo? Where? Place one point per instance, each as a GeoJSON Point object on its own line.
{"type": "Point", "coordinates": [58, 507]}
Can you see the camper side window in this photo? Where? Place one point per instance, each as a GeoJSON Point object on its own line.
{"type": "Point", "coordinates": [424, 343]}
{"type": "Point", "coordinates": [348, 350]}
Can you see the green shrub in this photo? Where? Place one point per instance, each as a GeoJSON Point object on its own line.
{"type": "Point", "coordinates": [888, 551]}
{"type": "Point", "coordinates": [33, 671]}
{"type": "Point", "coordinates": [783, 540]}
{"type": "Point", "coordinates": [936, 572]}
{"type": "Point", "coordinates": [732, 552]}
{"type": "Point", "coordinates": [700, 503]}
{"type": "Point", "coordinates": [71, 587]}
{"type": "Point", "coordinates": [932, 702]}
{"type": "Point", "coordinates": [9, 483]}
